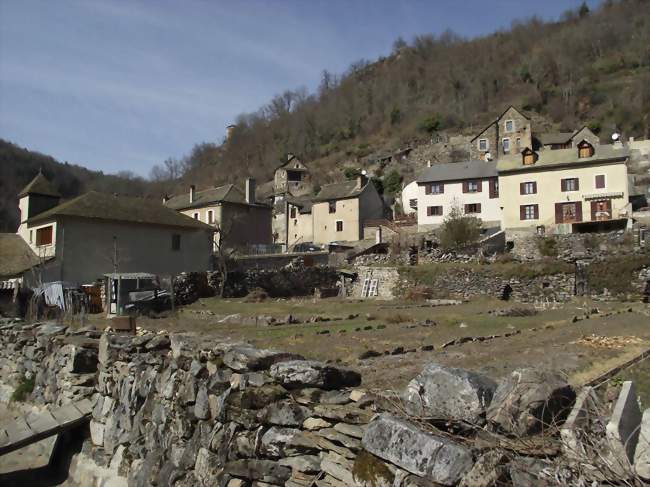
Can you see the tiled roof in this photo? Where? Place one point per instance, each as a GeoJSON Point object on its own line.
{"type": "Point", "coordinates": [339, 191]}
{"type": "Point", "coordinates": [15, 255]}
{"type": "Point", "coordinates": [39, 185]}
{"type": "Point", "coordinates": [206, 197]}
{"type": "Point", "coordinates": [555, 138]}
{"type": "Point", "coordinates": [455, 171]}
{"type": "Point", "coordinates": [120, 208]}
{"type": "Point", "coordinates": [563, 157]}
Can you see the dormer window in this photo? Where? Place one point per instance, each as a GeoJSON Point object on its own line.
{"type": "Point", "coordinates": [528, 157]}
{"type": "Point", "coordinates": [585, 149]}
{"type": "Point", "coordinates": [510, 125]}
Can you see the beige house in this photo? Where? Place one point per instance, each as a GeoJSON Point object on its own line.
{"type": "Point", "coordinates": [82, 239]}
{"type": "Point", "coordinates": [237, 217]}
{"type": "Point", "coordinates": [564, 190]}
{"type": "Point", "coordinates": [340, 210]}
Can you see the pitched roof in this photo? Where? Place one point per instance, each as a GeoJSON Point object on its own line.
{"type": "Point", "coordinates": [555, 137]}
{"type": "Point", "coordinates": [563, 157]}
{"type": "Point", "coordinates": [339, 191]}
{"type": "Point", "coordinates": [455, 171]}
{"type": "Point", "coordinates": [39, 185]}
{"type": "Point", "coordinates": [228, 193]}
{"type": "Point", "coordinates": [304, 204]}
{"type": "Point", "coordinates": [102, 206]}
{"type": "Point", "coordinates": [15, 255]}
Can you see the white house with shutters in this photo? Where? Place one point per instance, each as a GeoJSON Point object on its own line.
{"type": "Point", "coordinates": [471, 186]}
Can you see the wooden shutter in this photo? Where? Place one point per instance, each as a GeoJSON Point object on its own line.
{"type": "Point", "coordinates": [466, 209]}
{"type": "Point", "coordinates": [441, 187]}
{"type": "Point", "coordinates": [577, 185]}
{"type": "Point", "coordinates": [478, 207]}
{"type": "Point", "coordinates": [522, 188]}
{"type": "Point", "coordinates": [578, 211]}
{"type": "Point", "coordinates": [600, 181]}
{"type": "Point", "coordinates": [558, 212]}
{"type": "Point", "coordinates": [493, 188]}
{"type": "Point", "coordinates": [535, 187]}
{"type": "Point", "coordinates": [427, 189]}
{"type": "Point", "coordinates": [429, 210]}
{"type": "Point", "coordinates": [479, 186]}
{"type": "Point", "coordinates": [522, 212]}
{"type": "Point", "coordinates": [594, 207]}
{"type": "Point", "coordinates": [465, 187]}
{"type": "Point", "coordinates": [563, 184]}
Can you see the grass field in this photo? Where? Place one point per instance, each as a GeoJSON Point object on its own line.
{"type": "Point", "coordinates": [349, 328]}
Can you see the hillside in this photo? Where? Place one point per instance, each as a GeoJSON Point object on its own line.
{"type": "Point", "coordinates": [589, 68]}
{"type": "Point", "coordinates": [18, 166]}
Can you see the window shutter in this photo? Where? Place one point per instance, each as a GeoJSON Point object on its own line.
{"type": "Point", "coordinates": [536, 209]}
{"type": "Point", "coordinates": [521, 188]}
{"type": "Point", "coordinates": [427, 189]}
{"type": "Point", "coordinates": [563, 184]}
{"type": "Point", "coordinates": [522, 212]}
{"type": "Point", "coordinates": [578, 210]}
{"type": "Point", "coordinates": [558, 212]}
{"type": "Point", "coordinates": [594, 208]}
{"type": "Point", "coordinates": [480, 186]}
{"type": "Point", "coordinates": [466, 208]}
{"type": "Point", "coordinates": [465, 187]}
{"type": "Point", "coordinates": [535, 187]}
{"type": "Point", "coordinates": [478, 208]}
{"type": "Point", "coordinates": [600, 181]}
{"type": "Point", "coordinates": [441, 188]}
{"type": "Point", "coordinates": [577, 185]}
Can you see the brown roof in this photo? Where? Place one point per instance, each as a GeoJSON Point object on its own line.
{"type": "Point", "coordinates": [339, 191]}
{"type": "Point", "coordinates": [15, 255]}
{"type": "Point", "coordinates": [39, 185]}
{"type": "Point", "coordinates": [206, 197]}
{"type": "Point", "coordinates": [120, 208]}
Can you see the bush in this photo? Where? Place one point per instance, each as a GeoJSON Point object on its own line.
{"type": "Point", "coordinates": [351, 172]}
{"type": "Point", "coordinates": [547, 246]}
{"type": "Point", "coordinates": [23, 389]}
{"type": "Point", "coordinates": [431, 124]}
{"type": "Point", "coordinates": [458, 230]}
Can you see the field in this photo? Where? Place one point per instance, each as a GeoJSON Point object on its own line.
{"type": "Point", "coordinates": [409, 335]}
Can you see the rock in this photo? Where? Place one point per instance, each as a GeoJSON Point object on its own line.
{"type": "Point", "coordinates": [284, 413]}
{"type": "Point", "coordinates": [97, 433]}
{"type": "Point", "coordinates": [279, 442]}
{"type": "Point", "coordinates": [264, 470]}
{"type": "Point", "coordinates": [315, 424]}
{"type": "Point", "coordinates": [338, 467]}
{"type": "Point", "coordinates": [350, 430]}
{"type": "Point", "coordinates": [208, 467]}
{"type": "Point", "coordinates": [369, 354]}
{"type": "Point", "coordinates": [242, 359]}
{"type": "Point", "coordinates": [309, 373]}
{"type": "Point", "coordinates": [642, 454]}
{"type": "Point", "coordinates": [488, 470]}
{"type": "Point", "coordinates": [528, 400]}
{"type": "Point", "coordinates": [356, 395]}
{"type": "Point", "coordinates": [403, 444]}
{"type": "Point", "coordinates": [622, 430]}
{"type": "Point", "coordinates": [449, 393]}
{"type": "Point", "coordinates": [302, 463]}
{"type": "Point", "coordinates": [159, 342]}
{"type": "Point", "coordinates": [202, 404]}
{"type": "Point", "coordinates": [347, 413]}
{"type": "Point", "coordinates": [340, 438]}
{"type": "Point", "coordinates": [369, 471]}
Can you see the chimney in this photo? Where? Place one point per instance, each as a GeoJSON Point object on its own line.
{"type": "Point", "coordinates": [165, 199]}
{"type": "Point", "coordinates": [378, 235]}
{"type": "Point", "coordinates": [290, 156]}
{"type": "Point", "coordinates": [250, 191]}
{"type": "Point", "coordinates": [192, 193]}
{"type": "Point", "coordinates": [361, 181]}
{"type": "Point", "coordinates": [429, 163]}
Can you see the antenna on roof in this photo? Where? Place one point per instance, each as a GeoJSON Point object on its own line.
{"type": "Point", "coordinates": [616, 136]}
{"type": "Point", "coordinates": [488, 156]}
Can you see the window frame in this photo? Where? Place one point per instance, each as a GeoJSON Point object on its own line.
{"type": "Point", "coordinates": [469, 205]}
{"type": "Point", "coordinates": [332, 206]}
{"type": "Point", "coordinates": [524, 214]}
{"type": "Point", "coordinates": [486, 143]}
{"type": "Point", "coordinates": [210, 216]}
{"type": "Point", "coordinates": [524, 186]}
{"type": "Point", "coordinates": [196, 215]}
{"type": "Point", "coordinates": [39, 233]}
{"type": "Point", "coordinates": [473, 182]}
{"type": "Point", "coordinates": [564, 185]}
{"type": "Point", "coordinates": [505, 126]}
{"type": "Point", "coordinates": [339, 223]}
{"type": "Point", "coordinates": [433, 210]}
{"type": "Point", "coordinates": [503, 145]}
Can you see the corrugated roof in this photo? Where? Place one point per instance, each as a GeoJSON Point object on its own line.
{"type": "Point", "coordinates": [563, 157]}
{"type": "Point", "coordinates": [455, 171]}
{"type": "Point", "coordinates": [16, 256]}
{"type": "Point", "coordinates": [39, 185]}
{"type": "Point", "coordinates": [550, 138]}
{"type": "Point", "coordinates": [120, 208]}
{"type": "Point", "coordinates": [339, 191]}
{"type": "Point", "coordinates": [206, 197]}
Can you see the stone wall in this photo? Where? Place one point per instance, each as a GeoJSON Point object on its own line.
{"type": "Point", "coordinates": [387, 280]}
{"type": "Point", "coordinates": [183, 410]}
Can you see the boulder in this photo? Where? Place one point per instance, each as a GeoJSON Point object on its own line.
{"type": "Point", "coordinates": [284, 413]}
{"type": "Point", "coordinates": [434, 457]}
{"type": "Point", "coordinates": [369, 471]}
{"type": "Point", "coordinates": [449, 393]}
{"type": "Point", "coordinates": [242, 358]}
{"type": "Point", "coordinates": [528, 400]}
{"type": "Point", "coordinates": [302, 463]}
{"type": "Point", "coordinates": [310, 373]}
{"type": "Point", "coordinates": [283, 442]}
{"type": "Point", "coordinates": [262, 470]}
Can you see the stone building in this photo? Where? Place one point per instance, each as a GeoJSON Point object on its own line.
{"type": "Point", "coordinates": [292, 178]}
{"type": "Point", "coordinates": [510, 133]}
{"type": "Point", "coordinates": [566, 140]}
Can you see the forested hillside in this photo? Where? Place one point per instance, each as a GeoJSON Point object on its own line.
{"type": "Point", "coordinates": [589, 68]}
{"type": "Point", "coordinates": [18, 166]}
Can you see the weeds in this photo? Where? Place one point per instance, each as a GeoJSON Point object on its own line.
{"type": "Point", "coordinates": [23, 389]}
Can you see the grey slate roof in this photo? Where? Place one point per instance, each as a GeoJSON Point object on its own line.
{"type": "Point", "coordinates": [15, 255]}
{"type": "Point", "coordinates": [555, 138]}
{"type": "Point", "coordinates": [456, 171]}
{"type": "Point", "coordinates": [563, 157]}
{"type": "Point", "coordinates": [206, 197]}
{"type": "Point", "coordinates": [102, 206]}
{"type": "Point", "coordinates": [39, 185]}
{"type": "Point", "coordinates": [339, 191]}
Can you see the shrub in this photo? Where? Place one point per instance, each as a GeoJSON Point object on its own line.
{"type": "Point", "coordinates": [431, 124]}
{"type": "Point", "coordinates": [23, 389]}
{"type": "Point", "coordinates": [418, 293]}
{"type": "Point", "coordinates": [547, 246]}
{"type": "Point", "coordinates": [397, 318]}
{"type": "Point", "coordinates": [458, 230]}
{"type": "Point", "coordinates": [351, 172]}
{"type": "Point", "coordinates": [392, 182]}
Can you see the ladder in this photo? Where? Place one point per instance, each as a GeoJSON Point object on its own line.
{"type": "Point", "coordinates": [373, 287]}
{"type": "Point", "coordinates": [366, 287]}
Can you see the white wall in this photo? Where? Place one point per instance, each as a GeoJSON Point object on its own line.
{"type": "Point", "coordinates": [453, 195]}
{"type": "Point", "coordinates": [409, 193]}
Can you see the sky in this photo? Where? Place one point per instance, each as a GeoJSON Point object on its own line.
{"type": "Point", "coordinates": [121, 85]}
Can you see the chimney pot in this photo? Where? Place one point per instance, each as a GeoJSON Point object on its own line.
{"type": "Point", "coordinates": [165, 199]}
{"type": "Point", "coordinates": [250, 191]}
{"type": "Point", "coordinates": [192, 193]}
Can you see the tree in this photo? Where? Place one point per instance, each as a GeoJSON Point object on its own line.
{"type": "Point", "coordinates": [459, 230]}
{"type": "Point", "coordinates": [583, 11]}
{"type": "Point", "coordinates": [392, 182]}
{"type": "Point", "coordinates": [351, 173]}
{"type": "Point", "coordinates": [399, 44]}
{"type": "Point", "coordinates": [431, 124]}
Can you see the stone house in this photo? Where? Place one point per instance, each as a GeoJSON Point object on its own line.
{"type": "Point", "coordinates": [82, 239]}
{"type": "Point", "coordinates": [340, 210]}
{"type": "Point", "coordinates": [566, 140]}
{"type": "Point", "coordinates": [239, 220]}
{"type": "Point", "coordinates": [564, 190]}
{"type": "Point", "coordinates": [293, 178]}
{"type": "Point", "coordinates": [471, 186]}
{"type": "Point", "coordinates": [510, 133]}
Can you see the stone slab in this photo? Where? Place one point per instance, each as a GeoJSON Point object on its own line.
{"type": "Point", "coordinates": [623, 427]}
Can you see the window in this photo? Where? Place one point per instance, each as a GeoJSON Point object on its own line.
{"type": "Point", "coordinates": [332, 206]}
{"type": "Point", "coordinates": [44, 235]}
{"type": "Point", "coordinates": [339, 226]}
{"type": "Point", "coordinates": [570, 184]}
{"type": "Point", "coordinates": [528, 157]}
{"type": "Point", "coordinates": [529, 212]}
{"type": "Point", "coordinates": [473, 208]}
{"type": "Point", "coordinates": [600, 181]}
{"type": "Point", "coordinates": [196, 216]}
{"type": "Point", "coordinates": [434, 188]}
{"type": "Point", "coordinates": [292, 212]}
{"type": "Point", "coordinates": [494, 188]}
{"type": "Point", "coordinates": [210, 216]}
{"type": "Point", "coordinates": [518, 142]}
{"type": "Point", "coordinates": [472, 186]}
{"type": "Point", "coordinates": [413, 203]}
{"type": "Point", "coordinates": [506, 145]}
{"type": "Point", "coordinates": [529, 187]}
{"type": "Point", "coordinates": [176, 242]}
{"type": "Point", "coordinates": [568, 212]}
{"type": "Point", "coordinates": [483, 144]}
{"type": "Point", "coordinates": [585, 149]}
{"type": "Point", "coordinates": [434, 210]}
{"type": "Point", "coordinates": [510, 125]}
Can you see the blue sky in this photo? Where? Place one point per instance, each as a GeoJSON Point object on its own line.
{"type": "Point", "coordinates": [122, 85]}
